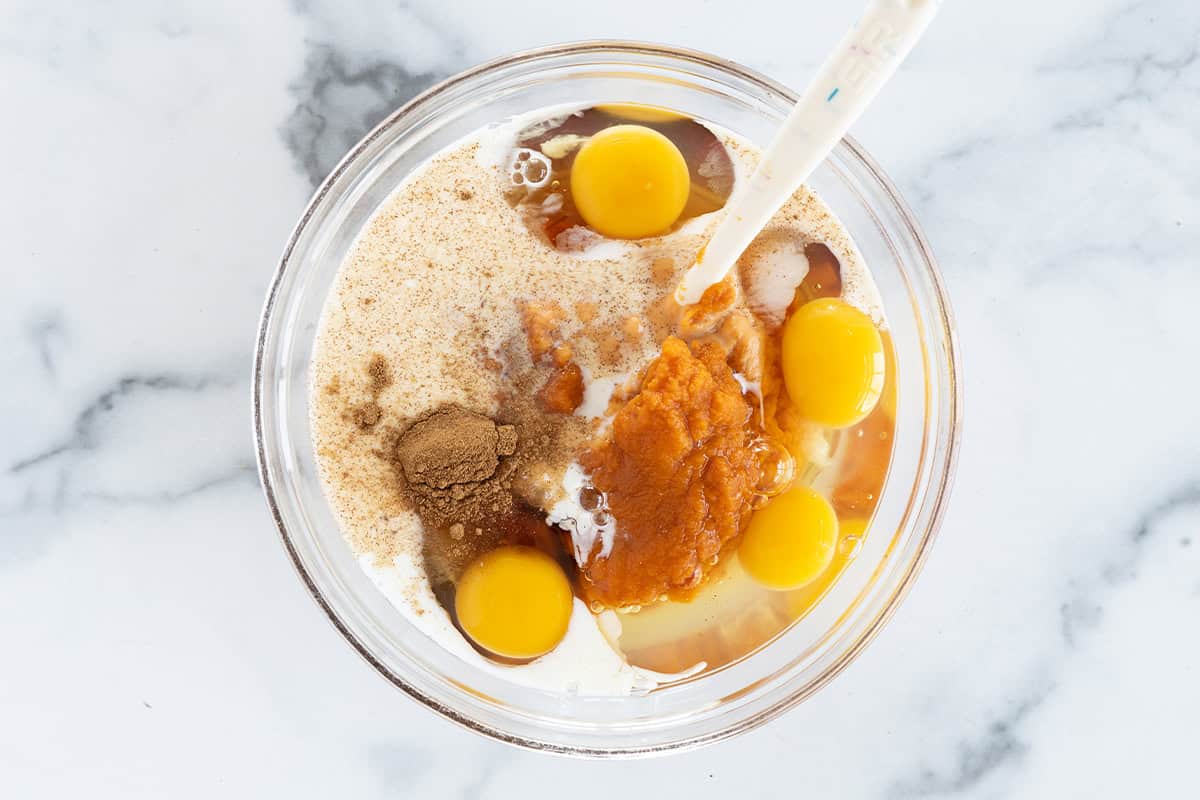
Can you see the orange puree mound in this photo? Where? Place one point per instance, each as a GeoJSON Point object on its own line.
{"type": "Point", "coordinates": [679, 474]}
{"type": "Point", "coordinates": [563, 391]}
{"type": "Point", "coordinates": [541, 322]}
{"type": "Point", "coordinates": [704, 316]}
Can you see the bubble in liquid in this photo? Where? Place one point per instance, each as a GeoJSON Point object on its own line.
{"type": "Point", "coordinates": [777, 465]}
{"type": "Point", "coordinates": [537, 172]}
{"type": "Point", "coordinates": [850, 545]}
{"type": "Point", "coordinates": [590, 498]}
{"type": "Point", "coordinates": [530, 168]}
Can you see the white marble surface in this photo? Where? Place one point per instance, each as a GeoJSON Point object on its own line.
{"type": "Point", "coordinates": [155, 640]}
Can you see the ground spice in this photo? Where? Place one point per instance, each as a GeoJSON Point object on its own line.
{"type": "Point", "coordinates": [455, 466]}
{"type": "Point", "coordinates": [380, 374]}
{"type": "Point", "coordinates": [367, 414]}
{"type": "Point", "coordinates": [379, 377]}
{"type": "Point", "coordinates": [453, 446]}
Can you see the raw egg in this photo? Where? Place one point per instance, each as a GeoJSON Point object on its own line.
{"type": "Point", "coordinates": [791, 540]}
{"type": "Point", "coordinates": [640, 112]}
{"type": "Point", "coordinates": [851, 532]}
{"type": "Point", "coordinates": [833, 362]}
{"type": "Point", "coordinates": [514, 602]}
{"type": "Point", "coordinates": [629, 182]}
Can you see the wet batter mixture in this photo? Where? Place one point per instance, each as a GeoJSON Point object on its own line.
{"type": "Point", "coordinates": [512, 415]}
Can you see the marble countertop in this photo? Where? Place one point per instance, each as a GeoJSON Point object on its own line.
{"type": "Point", "coordinates": [156, 642]}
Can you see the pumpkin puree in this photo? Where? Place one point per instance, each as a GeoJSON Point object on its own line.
{"type": "Point", "coordinates": [680, 471]}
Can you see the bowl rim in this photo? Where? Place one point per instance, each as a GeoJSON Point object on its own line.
{"type": "Point", "coordinates": [937, 502]}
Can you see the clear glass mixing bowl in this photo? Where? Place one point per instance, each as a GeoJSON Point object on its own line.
{"type": "Point", "coordinates": [742, 695]}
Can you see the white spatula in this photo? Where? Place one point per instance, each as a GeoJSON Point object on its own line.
{"type": "Point", "coordinates": [843, 87]}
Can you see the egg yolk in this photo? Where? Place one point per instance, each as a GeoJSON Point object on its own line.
{"type": "Point", "coordinates": [833, 362]}
{"type": "Point", "coordinates": [640, 112]}
{"type": "Point", "coordinates": [514, 602]}
{"type": "Point", "coordinates": [887, 400]}
{"type": "Point", "coordinates": [629, 182]}
{"type": "Point", "coordinates": [791, 540]}
{"type": "Point", "coordinates": [850, 535]}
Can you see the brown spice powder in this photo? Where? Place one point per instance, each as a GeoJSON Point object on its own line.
{"type": "Point", "coordinates": [451, 464]}
{"type": "Point", "coordinates": [468, 478]}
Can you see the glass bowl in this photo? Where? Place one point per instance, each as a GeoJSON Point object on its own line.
{"type": "Point", "coordinates": [739, 696]}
